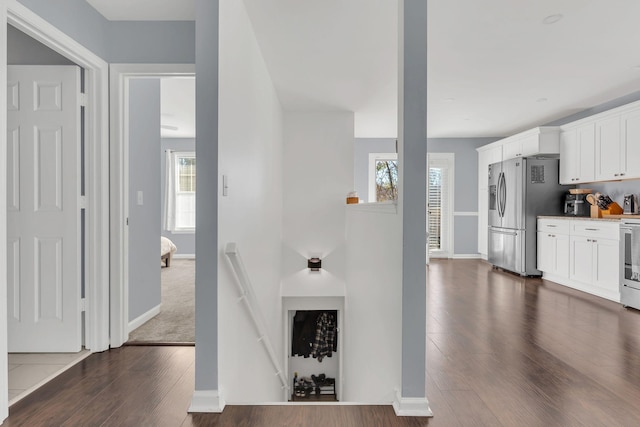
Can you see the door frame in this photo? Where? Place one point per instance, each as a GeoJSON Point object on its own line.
{"type": "Point", "coordinates": [120, 75]}
{"type": "Point", "coordinates": [97, 178]}
{"type": "Point", "coordinates": [449, 229]}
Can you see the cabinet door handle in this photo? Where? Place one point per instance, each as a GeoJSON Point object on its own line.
{"type": "Point", "coordinates": [588, 240]}
{"type": "Point", "coordinates": [616, 174]}
{"type": "Point", "coordinates": [592, 229]}
{"type": "Point", "coordinates": [551, 226]}
{"type": "Point", "coordinates": [621, 174]}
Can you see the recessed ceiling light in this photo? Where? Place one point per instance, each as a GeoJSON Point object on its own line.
{"type": "Point", "coordinates": [541, 100]}
{"type": "Point", "coordinates": [552, 19]}
{"type": "Point", "coordinates": [449, 99]}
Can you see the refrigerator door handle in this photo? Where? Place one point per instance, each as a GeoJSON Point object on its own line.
{"type": "Point", "coordinates": [498, 195]}
{"type": "Point", "coordinates": [508, 233]}
{"type": "Point", "coordinates": [502, 194]}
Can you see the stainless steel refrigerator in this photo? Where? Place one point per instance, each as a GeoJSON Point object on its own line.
{"type": "Point", "coordinates": [520, 190]}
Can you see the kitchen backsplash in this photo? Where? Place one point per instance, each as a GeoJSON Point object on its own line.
{"type": "Point", "coordinates": [616, 190]}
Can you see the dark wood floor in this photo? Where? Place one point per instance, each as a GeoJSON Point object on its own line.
{"type": "Point", "coordinates": [501, 351]}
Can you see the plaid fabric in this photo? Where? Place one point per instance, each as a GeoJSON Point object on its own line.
{"type": "Point", "coordinates": [325, 336]}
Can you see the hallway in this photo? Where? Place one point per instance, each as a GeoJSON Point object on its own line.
{"type": "Point", "coordinates": [501, 351]}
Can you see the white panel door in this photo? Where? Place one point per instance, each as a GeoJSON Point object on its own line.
{"type": "Point", "coordinates": [43, 209]}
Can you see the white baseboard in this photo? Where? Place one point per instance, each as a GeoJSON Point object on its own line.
{"type": "Point", "coordinates": [466, 256]}
{"type": "Point", "coordinates": [411, 406]}
{"type": "Point", "coordinates": [206, 401]}
{"type": "Point", "coordinates": [142, 319]}
{"type": "Point", "coordinates": [184, 256]}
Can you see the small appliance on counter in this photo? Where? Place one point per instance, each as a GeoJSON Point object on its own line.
{"type": "Point", "coordinates": [630, 204]}
{"type": "Point", "coordinates": [576, 204]}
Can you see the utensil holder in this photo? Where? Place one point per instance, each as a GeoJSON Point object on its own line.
{"type": "Point", "coordinates": [613, 209]}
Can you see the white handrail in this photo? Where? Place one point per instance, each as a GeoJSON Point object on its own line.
{"type": "Point", "coordinates": [247, 295]}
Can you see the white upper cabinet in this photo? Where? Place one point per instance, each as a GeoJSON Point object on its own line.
{"type": "Point", "coordinates": [609, 149]}
{"type": "Point", "coordinates": [603, 147]}
{"type": "Point", "coordinates": [577, 155]}
{"type": "Point", "coordinates": [541, 140]}
{"type": "Point", "coordinates": [631, 149]}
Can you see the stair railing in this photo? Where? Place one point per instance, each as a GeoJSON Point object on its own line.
{"type": "Point", "coordinates": [247, 295]}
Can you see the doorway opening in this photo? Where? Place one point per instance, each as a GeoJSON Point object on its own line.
{"type": "Point", "coordinates": [440, 173]}
{"type": "Point", "coordinates": [155, 173]}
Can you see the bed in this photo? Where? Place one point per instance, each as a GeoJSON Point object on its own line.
{"type": "Point", "coordinates": [167, 249]}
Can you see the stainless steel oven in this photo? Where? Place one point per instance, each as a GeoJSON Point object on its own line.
{"type": "Point", "coordinates": [630, 263]}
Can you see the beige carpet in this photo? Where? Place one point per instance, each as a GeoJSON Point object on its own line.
{"type": "Point", "coordinates": [176, 321]}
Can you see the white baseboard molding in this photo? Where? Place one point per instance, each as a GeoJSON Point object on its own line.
{"type": "Point", "coordinates": [589, 289]}
{"type": "Point", "coordinates": [142, 319]}
{"type": "Point", "coordinates": [411, 406]}
{"type": "Point", "coordinates": [466, 256]}
{"type": "Point", "coordinates": [184, 256]}
{"type": "Point", "coordinates": [206, 401]}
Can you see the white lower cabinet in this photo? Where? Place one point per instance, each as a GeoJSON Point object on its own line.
{"type": "Point", "coordinates": [580, 254]}
{"type": "Point", "coordinates": [553, 253]}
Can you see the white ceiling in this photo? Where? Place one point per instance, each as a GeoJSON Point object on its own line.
{"type": "Point", "coordinates": [178, 107]}
{"type": "Point", "coordinates": [495, 68]}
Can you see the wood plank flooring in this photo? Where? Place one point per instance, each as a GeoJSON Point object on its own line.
{"type": "Point", "coordinates": [501, 351]}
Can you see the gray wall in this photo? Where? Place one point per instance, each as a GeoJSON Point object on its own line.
{"type": "Point", "coordinates": [24, 50]}
{"type": "Point", "coordinates": [163, 42]}
{"type": "Point", "coordinates": [626, 99]}
{"type": "Point", "coordinates": [144, 175]}
{"type": "Point", "coordinates": [186, 242]}
{"type": "Point", "coordinates": [465, 185]}
{"type": "Point", "coordinates": [119, 41]}
{"type": "Point", "coordinates": [466, 169]}
{"type": "Point", "coordinates": [465, 227]}
{"type": "Point", "coordinates": [77, 19]}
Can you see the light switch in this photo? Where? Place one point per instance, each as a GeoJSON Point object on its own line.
{"type": "Point", "coordinates": [140, 198]}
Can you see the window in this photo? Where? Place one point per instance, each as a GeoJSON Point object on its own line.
{"type": "Point", "coordinates": [383, 177]}
{"type": "Point", "coordinates": [180, 198]}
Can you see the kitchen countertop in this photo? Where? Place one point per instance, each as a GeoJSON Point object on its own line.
{"type": "Point", "coordinates": [579, 218]}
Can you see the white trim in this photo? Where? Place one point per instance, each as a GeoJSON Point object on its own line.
{"type": "Point", "coordinates": [4, 333]}
{"type": "Point", "coordinates": [466, 213]}
{"type": "Point", "coordinates": [120, 74]}
{"type": "Point", "coordinates": [184, 256]}
{"type": "Point", "coordinates": [206, 401]}
{"type": "Point", "coordinates": [465, 256]}
{"type": "Point", "coordinates": [411, 406]}
{"type": "Point", "coordinates": [373, 157]}
{"type": "Point", "coordinates": [377, 207]}
{"type": "Point", "coordinates": [97, 184]}
{"type": "Point", "coordinates": [144, 318]}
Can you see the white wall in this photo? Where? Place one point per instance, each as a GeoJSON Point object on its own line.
{"type": "Point", "coordinates": [373, 308]}
{"type": "Point", "coordinates": [250, 154]}
{"type": "Point", "coordinates": [318, 159]}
